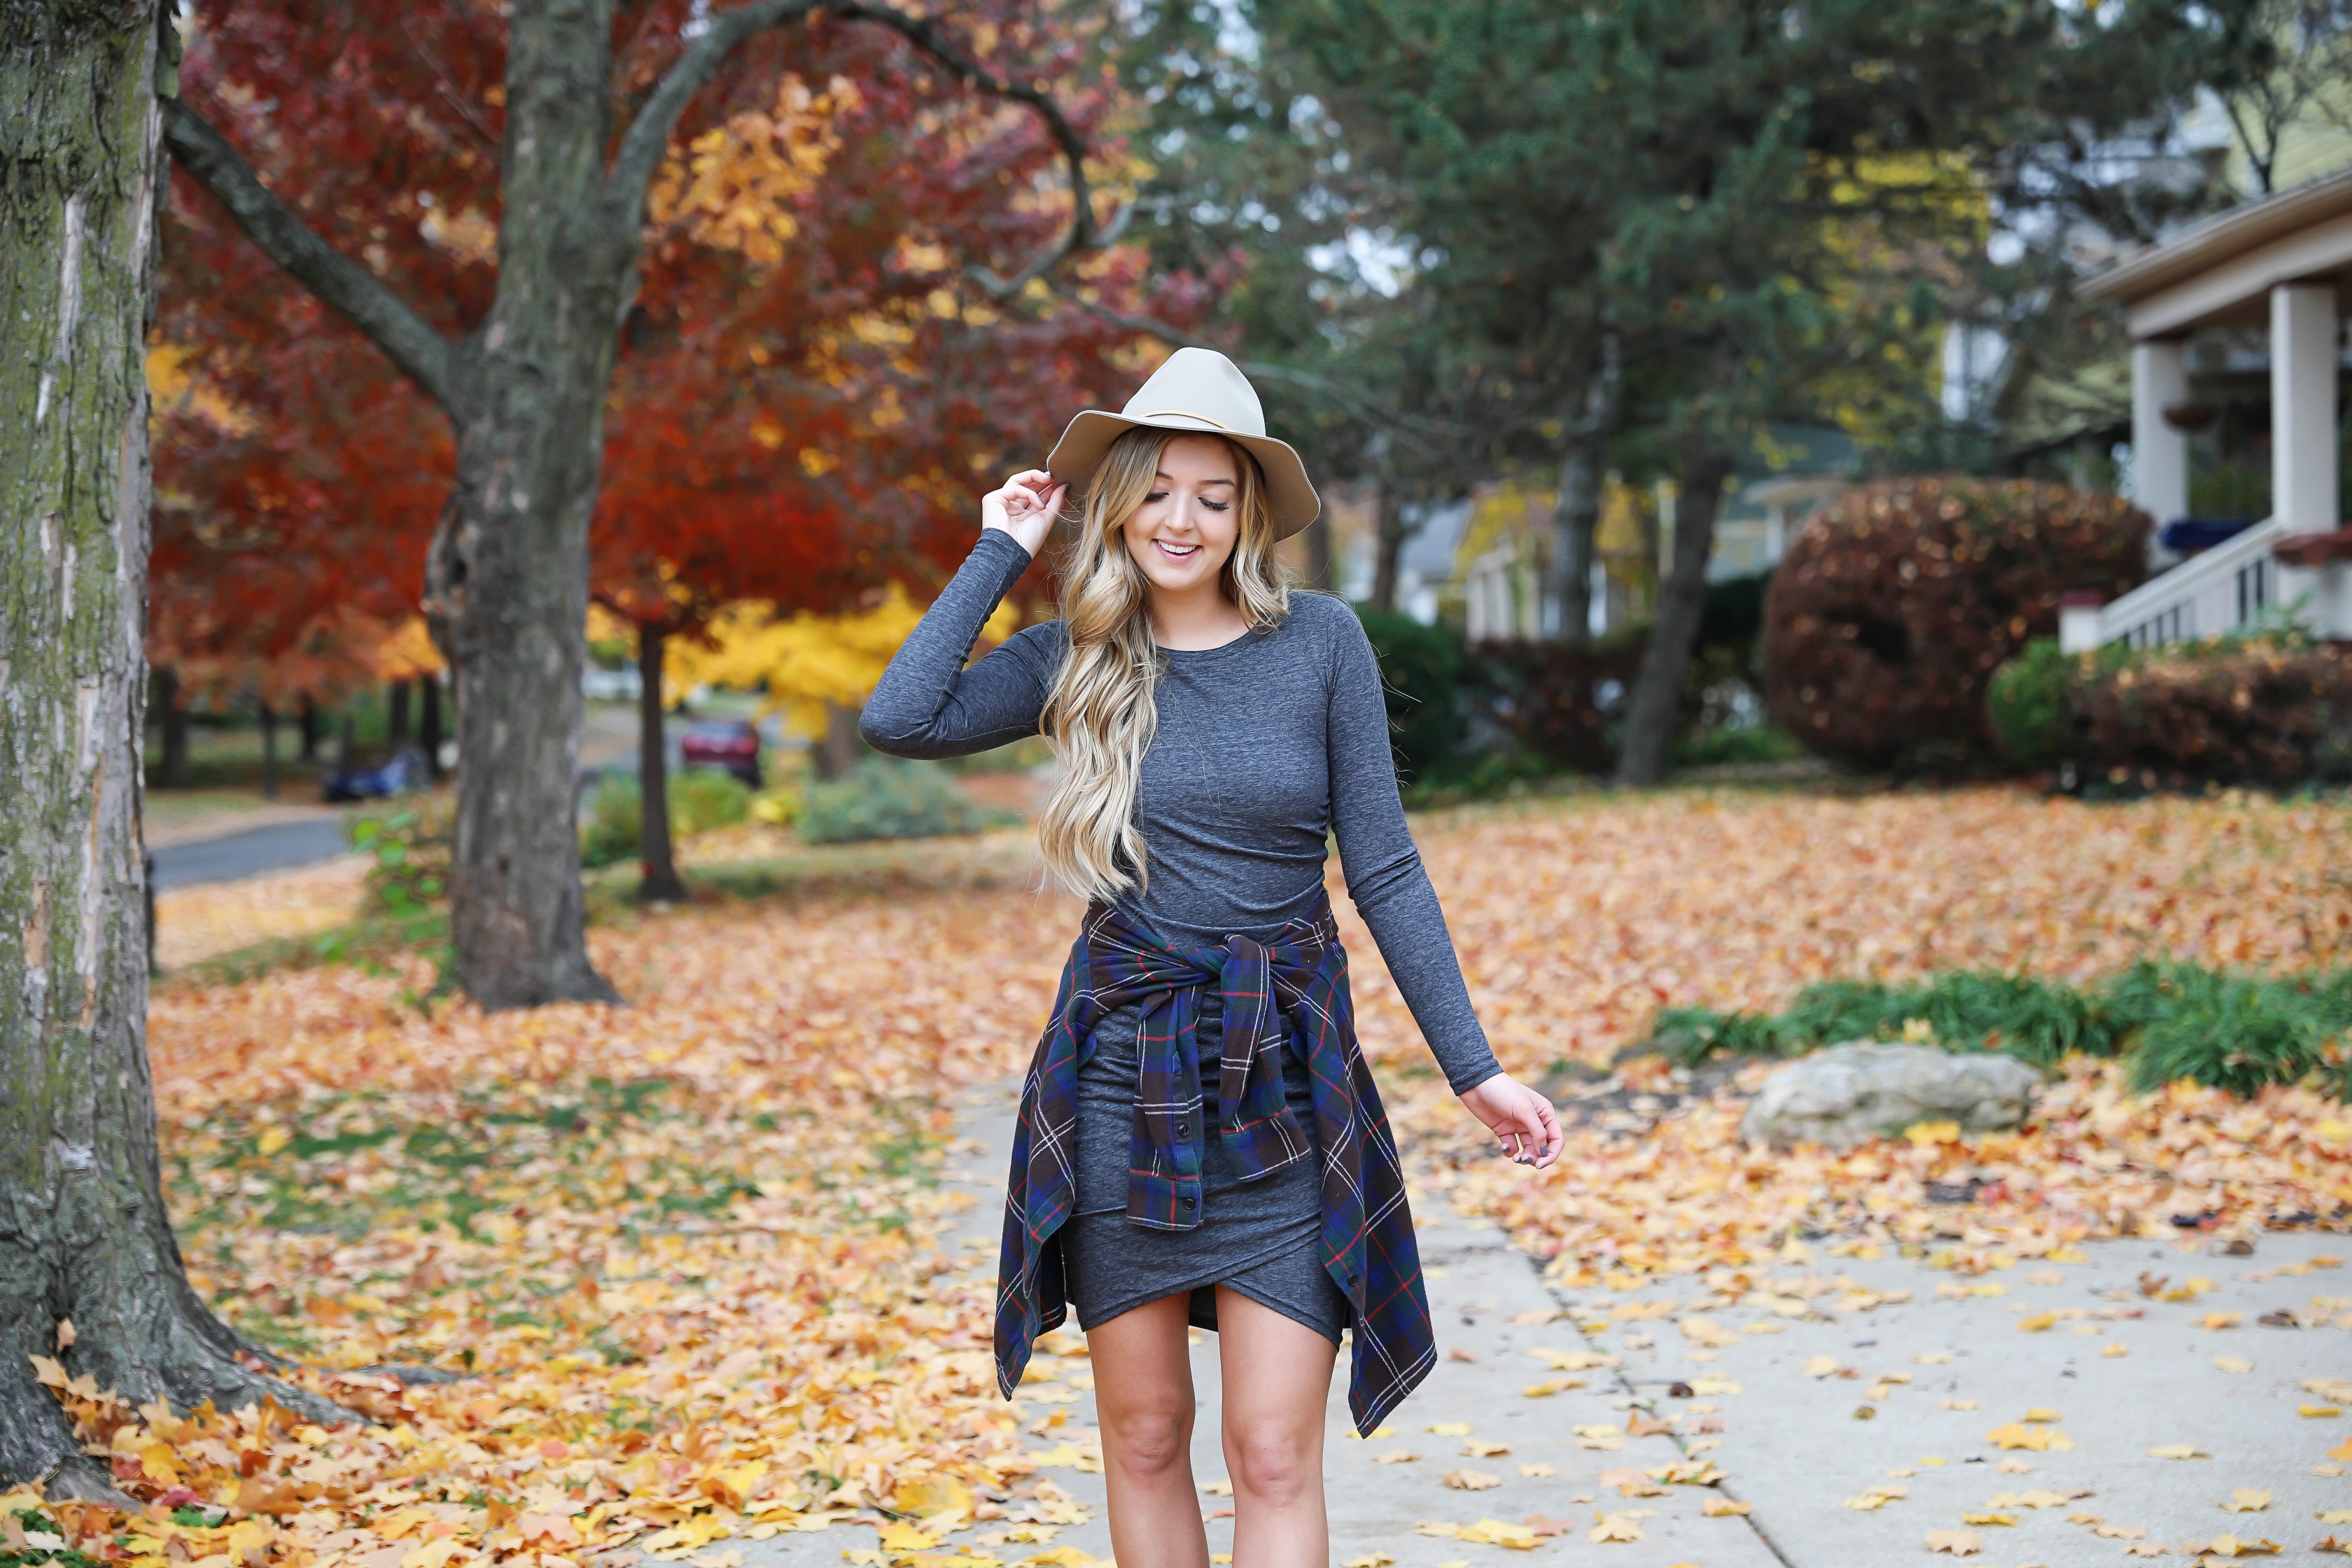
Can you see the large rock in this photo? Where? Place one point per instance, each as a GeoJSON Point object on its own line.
{"type": "Point", "coordinates": [1846, 1095]}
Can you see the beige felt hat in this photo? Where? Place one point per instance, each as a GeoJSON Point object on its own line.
{"type": "Point", "coordinates": [1201, 391]}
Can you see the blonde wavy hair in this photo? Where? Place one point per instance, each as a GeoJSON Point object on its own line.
{"type": "Point", "coordinates": [1101, 714]}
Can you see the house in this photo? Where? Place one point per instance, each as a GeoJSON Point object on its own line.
{"type": "Point", "coordinates": [2265, 276]}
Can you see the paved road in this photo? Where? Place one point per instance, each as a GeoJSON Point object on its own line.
{"type": "Point", "coordinates": [278, 846]}
{"type": "Point", "coordinates": [1770, 1392]}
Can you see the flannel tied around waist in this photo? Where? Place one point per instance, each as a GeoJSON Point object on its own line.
{"type": "Point", "coordinates": [1289, 994]}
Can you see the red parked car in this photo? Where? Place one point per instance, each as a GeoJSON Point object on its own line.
{"type": "Point", "coordinates": [730, 743]}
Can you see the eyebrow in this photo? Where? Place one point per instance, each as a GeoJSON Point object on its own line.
{"type": "Point", "coordinates": [1172, 480]}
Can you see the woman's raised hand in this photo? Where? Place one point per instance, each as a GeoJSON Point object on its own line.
{"type": "Point", "coordinates": [1024, 506]}
{"type": "Point", "coordinates": [1522, 1121]}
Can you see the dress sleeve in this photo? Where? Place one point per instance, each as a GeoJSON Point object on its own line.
{"type": "Point", "coordinates": [1384, 874]}
{"type": "Point", "coordinates": [928, 703]}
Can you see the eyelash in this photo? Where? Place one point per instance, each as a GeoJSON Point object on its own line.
{"type": "Point", "coordinates": [1212, 505]}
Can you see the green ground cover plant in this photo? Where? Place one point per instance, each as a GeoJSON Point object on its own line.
{"type": "Point", "coordinates": [2166, 1020]}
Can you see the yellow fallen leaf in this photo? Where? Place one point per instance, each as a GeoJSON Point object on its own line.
{"type": "Point", "coordinates": [2177, 1451]}
{"type": "Point", "coordinates": [2334, 1516]}
{"type": "Point", "coordinates": [2247, 1499]}
{"type": "Point", "coordinates": [2040, 1414]}
{"type": "Point", "coordinates": [1551, 1386]}
{"type": "Point", "coordinates": [1370, 1560]}
{"type": "Point", "coordinates": [1821, 1366]}
{"type": "Point", "coordinates": [1538, 1470]}
{"type": "Point", "coordinates": [1615, 1527]}
{"type": "Point", "coordinates": [2233, 1363]}
{"type": "Point", "coordinates": [1469, 1480]}
{"type": "Point", "coordinates": [900, 1536]}
{"type": "Point", "coordinates": [2114, 1348]}
{"type": "Point", "coordinates": [2122, 1531]}
{"type": "Point", "coordinates": [1719, 1507]}
{"type": "Point", "coordinates": [1486, 1449]}
{"type": "Point", "coordinates": [1396, 1456]}
{"type": "Point", "coordinates": [1958, 1542]}
{"type": "Point", "coordinates": [2036, 1324]}
{"type": "Point", "coordinates": [1985, 1518]}
{"type": "Point", "coordinates": [2319, 1410]}
{"type": "Point", "coordinates": [1495, 1533]}
{"type": "Point", "coordinates": [1571, 1361]}
{"type": "Point", "coordinates": [1710, 1387]}
{"type": "Point", "coordinates": [2217, 1321]}
{"type": "Point", "coordinates": [1450, 1428]}
{"type": "Point", "coordinates": [1933, 1358]}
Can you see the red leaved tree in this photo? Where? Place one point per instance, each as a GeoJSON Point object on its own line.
{"type": "Point", "coordinates": [468, 189]}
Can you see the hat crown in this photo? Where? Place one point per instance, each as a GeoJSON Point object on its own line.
{"type": "Point", "coordinates": [1205, 384]}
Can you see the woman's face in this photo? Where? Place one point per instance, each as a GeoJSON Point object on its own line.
{"type": "Point", "coordinates": [1185, 532]}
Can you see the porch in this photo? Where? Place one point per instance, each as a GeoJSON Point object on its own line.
{"type": "Point", "coordinates": [2277, 267]}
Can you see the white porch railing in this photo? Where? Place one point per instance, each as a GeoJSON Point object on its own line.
{"type": "Point", "coordinates": [2220, 590]}
{"type": "Point", "coordinates": [2215, 591]}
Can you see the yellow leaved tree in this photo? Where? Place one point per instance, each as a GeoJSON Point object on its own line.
{"type": "Point", "coordinates": [816, 670]}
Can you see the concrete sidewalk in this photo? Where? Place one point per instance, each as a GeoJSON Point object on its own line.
{"type": "Point", "coordinates": [2076, 1363]}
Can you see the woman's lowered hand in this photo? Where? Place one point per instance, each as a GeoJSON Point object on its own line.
{"type": "Point", "coordinates": [1522, 1121]}
{"type": "Point", "coordinates": [1024, 506]}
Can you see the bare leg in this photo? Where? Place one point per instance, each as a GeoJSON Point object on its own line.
{"type": "Point", "coordinates": [1277, 1376]}
{"type": "Point", "coordinates": [1143, 1393]}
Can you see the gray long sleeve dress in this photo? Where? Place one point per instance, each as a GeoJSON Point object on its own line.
{"type": "Point", "coordinates": [1266, 747]}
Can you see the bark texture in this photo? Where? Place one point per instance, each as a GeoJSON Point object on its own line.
{"type": "Point", "coordinates": [83, 1230]}
{"type": "Point", "coordinates": [1655, 709]}
{"type": "Point", "coordinates": [657, 858]}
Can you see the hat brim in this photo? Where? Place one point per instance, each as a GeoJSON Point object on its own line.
{"type": "Point", "coordinates": [1290, 495]}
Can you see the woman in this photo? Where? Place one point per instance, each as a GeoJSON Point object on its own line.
{"type": "Point", "coordinates": [1200, 1142]}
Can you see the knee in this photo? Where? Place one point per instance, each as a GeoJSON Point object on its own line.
{"type": "Point", "coordinates": [1274, 1463]}
{"type": "Point", "coordinates": [1151, 1441]}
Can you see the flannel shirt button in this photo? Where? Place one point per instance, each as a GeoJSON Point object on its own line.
{"type": "Point", "coordinates": [1191, 1202]}
{"type": "Point", "coordinates": [1183, 1130]}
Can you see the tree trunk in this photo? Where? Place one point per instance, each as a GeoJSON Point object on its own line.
{"type": "Point", "coordinates": [174, 772]}
{"type": "Point", "coordinates": [347, 740]}
{"type": "Point", "coordinates": [83, 1231]}
{"type": "Point", "coordinates": [1576, 517]}
{"type": "Point", "coordinates": [309, 717]}
{"type": "Point", "coordinates": [837, 754]}
{"type": "Point", "coordinates": [1318, 551]}
{"type": "Point", "coordinates": [655, 857]}
{"type": "Point", "coordinates": [1655, 709]}
{"type": "Point", "coordinates": [1386, 559]}
{"type": "Point", "coordinates": [1575, 522]}
{"type": "Point", "coordinates": [269, 751]}
{"type": "Point", "coordinates": [428, 726]}
{"type": "Point", "coordinates": [509, 574]}
{"type": "Point", "coordinates": [396, 716]}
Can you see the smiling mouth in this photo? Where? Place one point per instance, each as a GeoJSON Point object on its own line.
{"type": "Point", "coordinates": [1177, 552]}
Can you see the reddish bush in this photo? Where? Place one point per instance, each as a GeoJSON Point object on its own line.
{"type": "Point", "coordinates": [1898, 601]}
{"type": "Point", "coordinates": [2273, 711]}
{"type": "Point", "coordinates": [1562, 702]}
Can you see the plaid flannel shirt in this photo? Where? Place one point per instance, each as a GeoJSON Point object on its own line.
{"type": "Point", "coordinates": [1289, 995]}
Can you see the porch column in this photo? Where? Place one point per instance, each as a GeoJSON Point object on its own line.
{"type": "Point", "coordinates": [2159, 453]}
{"type": "Point", "coordinates": [2303, 407]}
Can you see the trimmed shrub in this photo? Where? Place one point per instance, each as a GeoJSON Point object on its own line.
{"type": "Point", "coordinates": [2271, 710]}
{"type": "Point", "coordinates": [610, 820]}
{"type": "Point", "coordinates": [2028, 705]}
{"type": "Point", "coordinates": [893, 800]}
{"type": "Point", "coordinates": [1898, 601]}
{"type": "Point", "coordinates": [1564, 703]}
{"type": "Point", "coordinates": [703, 798]}
{"type": "Point", "coordinates": [1422, 669]}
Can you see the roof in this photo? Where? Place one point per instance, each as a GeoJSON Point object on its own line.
{"type": "Point", "coordinates": [2228, 239]}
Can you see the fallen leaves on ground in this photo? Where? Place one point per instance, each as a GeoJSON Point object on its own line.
{"type": "Point", "coordinates": [687, 1251]}
{"type": "Point", "coordinates": [684, 1250]}
{"type": "Point", "coordinates": [192, 924]}
{"type": "Point", "coordinates": [1598, 915]}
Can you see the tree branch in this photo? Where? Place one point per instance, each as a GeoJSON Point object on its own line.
{"type": "Point", "coordinates": [648, 135]}
{"type": "Point", "coordinates": [428, 359]}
